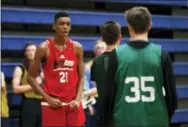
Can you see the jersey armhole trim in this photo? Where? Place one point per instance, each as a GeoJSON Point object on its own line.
{"type": "Point", "coordinates": [23, 72]}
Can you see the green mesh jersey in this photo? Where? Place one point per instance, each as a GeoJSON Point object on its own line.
{"type": "Point", "coordinates": [139, 99]}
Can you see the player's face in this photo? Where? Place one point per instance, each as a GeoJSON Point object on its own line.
{"type": "Point", "coordinates": [63, 26]}
{"type": "Point", "coordinates": [100, 48]}
{"type": "Point", "coordinates": [30, 52]}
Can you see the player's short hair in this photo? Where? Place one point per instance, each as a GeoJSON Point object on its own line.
{"type": "Point", "coordinates": [59, 15]}
{"type": "Point", "coordinates": [139, 18]}
{"type": "Point", "coordinates": [29, 44]}
{"type": "Point", "coordinates": [110, 32]}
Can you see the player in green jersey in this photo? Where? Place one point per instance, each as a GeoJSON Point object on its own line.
{"type": "Point", "coordinates": [137, 73]}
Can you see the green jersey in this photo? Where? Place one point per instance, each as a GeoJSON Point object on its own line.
{"type": "Point", "coordinates": [139, 80]}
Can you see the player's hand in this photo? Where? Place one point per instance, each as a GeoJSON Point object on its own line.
{"type": "Point", "coordinates": [39, 79]}
{"type": "Point", "coordinates": [91, 110]}
{"type": "Point", "coordinates": [74, 104]}
{"type": "Point", "coordinates": [54, 102]}
{"type": "Point", "coordinates": [85, 94]}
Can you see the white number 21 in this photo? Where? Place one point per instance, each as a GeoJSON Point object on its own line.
{"type": "Point", "coordinates": [140, 82]}
{"type": "Point", "coordinates": [63, 77]}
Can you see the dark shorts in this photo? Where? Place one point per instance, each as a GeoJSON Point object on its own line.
{"type": "Point", "coordinates": [30, 114]}
{"type": "Point", "coordinates": [5, 122]}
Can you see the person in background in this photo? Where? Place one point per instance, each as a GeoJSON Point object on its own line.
{"type": "Point", "coordinates": [100, 47]}
{"type": "Point", "coordinates": [90, 91]}
{"type": "Point", "coordinates": [30, 114]}
{"type": "Point", "coordinates": [4, 104]}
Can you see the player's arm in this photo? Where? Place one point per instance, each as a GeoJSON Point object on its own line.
{"type": "Point", "coordinates": [3, 83]}
{"type": "Point", "coordinates": [110, 88]}
{"type": "Point", "coordinates": [92, 74]}
{"type": "Point", "coordinates": [80, 69]}
{"type": "Point", "coordinates": [169, 84]}
{"type": "Point", "coordinates": [90, 92]}
{"type": "Point", "coordinates": [40, 78]}
{"type": "Point", "coordinates": [17, 85]}
{"type": "Point", "coordinates": [34, 68]}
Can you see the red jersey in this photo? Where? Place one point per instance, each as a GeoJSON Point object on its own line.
{"type": "Point", "coordinates": [60, 72]}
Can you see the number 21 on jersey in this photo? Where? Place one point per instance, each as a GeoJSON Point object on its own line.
{"type": "Point", "coordinates": [63, 77]}
{"type": "Point", "coordinates": [139, 85]}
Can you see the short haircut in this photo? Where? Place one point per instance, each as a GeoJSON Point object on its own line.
{"type": "Point", "coordinates": [29, 44]}
{"type": "Point", "coordinates": [139, 18]}
{"type": "Point", "coordinates": [110, 32]}
{"type": "Point", "coordinates": [59, 15]}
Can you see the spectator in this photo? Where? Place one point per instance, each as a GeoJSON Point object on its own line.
{"type": "Point", "coordinates": [99, 48]}
{"type": "Point", "coordinates": [30, 114]}
{"type": "Point", "coordinates": [90, 91]}
{"type": "Point", "coordinates": [4, 104]}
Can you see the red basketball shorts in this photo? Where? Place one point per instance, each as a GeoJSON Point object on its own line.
{"type": "Point", "coordinates": [63, 116]}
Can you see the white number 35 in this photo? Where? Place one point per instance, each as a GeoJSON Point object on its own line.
{"type": "Point", "coordinates": [137, 84]}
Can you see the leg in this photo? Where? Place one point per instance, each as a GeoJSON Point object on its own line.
{"type": "Point", "coordinates": [53, 117]}
{"type": "Point", "coordinates": [75, 117]}
{"type": "Point", "coordinates": [93, 118]}
{"type": "Point", "coordinates": [28, 113]}
{"type": "Point", "coordinates": [5, 122]}
{"type": "Point", "coordinates": [93, 121]}
{"type": "Point", "coordinates": [87, 122]}
{"type": "Point", "coordinates": [38, 115]}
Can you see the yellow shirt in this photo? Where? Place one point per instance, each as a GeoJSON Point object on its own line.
{"type": "Point", "coordinates": [30, 94]}
{"type": "Point", "coordinates": [4, 103]}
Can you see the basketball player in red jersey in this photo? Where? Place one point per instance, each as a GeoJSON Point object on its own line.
{"type": "Point", "coordinates": [62, 64]}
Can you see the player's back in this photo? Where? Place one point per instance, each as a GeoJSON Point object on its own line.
{"type": "Point", "coordinates": [60, 72]}
{"type": "Point", "coordinates": [99, 75]}
{"type": "Point", "coordinates": [139, 98]}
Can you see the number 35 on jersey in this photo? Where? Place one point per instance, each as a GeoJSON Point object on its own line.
{"type": "Point", "coordinates": [139, 86]}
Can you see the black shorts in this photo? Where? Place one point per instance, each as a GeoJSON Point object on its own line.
{"type": "Point", "coordinates": [5, 122]}
{"type": "Point", "coordinates": [30, 114]}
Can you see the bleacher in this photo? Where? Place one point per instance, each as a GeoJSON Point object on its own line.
{"type": "Point", "coordinates": [43, 16]}
{"type": "Point", "coordinates": [31, 20]}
